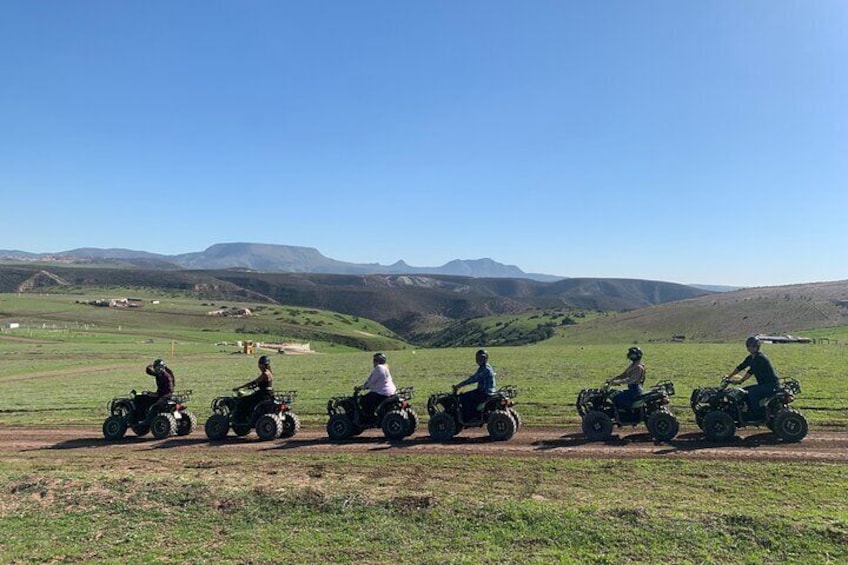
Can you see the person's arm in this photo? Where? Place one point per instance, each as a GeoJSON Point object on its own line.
{"type": "Point", "coordinates": [249, 384]}
{"type": "Point", "coordinates": [371, 380]}
{"type": "Point", "coordinates": [744, 364]}
{"type": "Point", "coordinates": [472, 379]}
{"type": "Point", "coordinates": [633, 375]}
{"type": "Point", "coordinates": [617, 380]}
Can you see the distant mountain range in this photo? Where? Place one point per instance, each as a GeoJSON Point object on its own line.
{"type": "Point", "coordinates": [271, 258]}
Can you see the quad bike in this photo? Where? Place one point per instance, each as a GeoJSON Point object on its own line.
{"type": "Point", "coordinates": [272, 418]}
{"type": "Point", "coordinates": [720, 410]}
{"type": "Point", "coordinates": [497, 413]}
{"type": "Point", "coordinates": [394, 415]}
{"type": "Point", "coordinates": [600, 413]}
{"type": "Point", "coordinates": [142, 414]}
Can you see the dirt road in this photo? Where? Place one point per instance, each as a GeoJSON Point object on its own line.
{"type": "Point", "coordinates": [820, 446]}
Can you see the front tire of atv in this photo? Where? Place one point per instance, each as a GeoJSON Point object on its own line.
{"type": "Point", "coordinates": [501, 425]}
{"type": "Point", "coordinates": [340, 427]}
{"type": "Point", "coordinates": [269, 426]}
{"type": "Point", "coordinates": [163, 425]}
{"type": "Point", "coordinates": [442, 426]}
{"type": "Point", "coordinates": [395, 424]}
{"type": "Point", "coordinates": [790, 425]}
{"type": "Point", "coordinates": [699, 420]}
{"type": "Point", "coordinates": [719, 426]}
{"type": "Point", "coordinates": [517, 417]}
{"type": "Point", "coordinates": [412, 422]}
{"type": "Point", "coordinates": [114, 428]}
{"type": "Point", "coordinates": [663, 426]}
{"type": "Point", "coordinates": [217, 427]}
{"type": "Point", "coordinates": [140, 430]}
{"type": "Point", "coordinates": [186, 424]}
{"type": "Point", "coordinates": [597, 426]}
{"type": "Point", "coordinates": [291, 424]}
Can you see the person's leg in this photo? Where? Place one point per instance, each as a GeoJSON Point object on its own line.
{"type": "Point", "coordinates": [369, 403]}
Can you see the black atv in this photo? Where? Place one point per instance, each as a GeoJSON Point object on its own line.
{"type": "Point", "coordinates": [720, 410]}
{"type": "Point", "coordinates": [395, 415]}
{"type": "Point", "coordinates": [497, 413]}
{"type": "Point", "coordinates": [142, 414]}
{"type": "Point", "coordinates": [599, 412]}
{"type": "Point", "coordinates": [272, 418]}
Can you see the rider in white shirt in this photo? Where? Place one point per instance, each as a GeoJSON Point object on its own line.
{"type": "Point", "coordinates": [379, 385]}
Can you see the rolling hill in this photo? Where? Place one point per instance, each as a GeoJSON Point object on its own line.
{"type": "Point", "coordinates": [727, 316]}
{"type": "Point", "coordinates": [416, 307]}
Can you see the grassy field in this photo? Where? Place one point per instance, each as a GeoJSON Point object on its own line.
{"type": "Point", "coordinates": [89, 504]}
{"type": "Point", "coordinates": [96, 505]}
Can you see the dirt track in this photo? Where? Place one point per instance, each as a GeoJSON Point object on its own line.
{"type": "Point", "coordinates": [758, 444]}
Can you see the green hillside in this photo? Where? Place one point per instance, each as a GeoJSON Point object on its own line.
{"type": "Point", "coordinates": [818, 310]}
{"type": "Point", "coordinates": [53, 316]}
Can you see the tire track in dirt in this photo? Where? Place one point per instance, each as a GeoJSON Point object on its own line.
{"type": "Point", "coordinates": [754, 444]}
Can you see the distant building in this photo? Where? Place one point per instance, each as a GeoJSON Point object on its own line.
{"type": "Point", "coordinates": [783, 339]}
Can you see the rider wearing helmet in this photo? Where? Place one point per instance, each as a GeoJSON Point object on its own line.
{"type": "Point", "coordinates": [263, 384]}
{"type": "Point", "coordinates": [633, 376]}
{"type": "Point", "coordinates": [164, 382]}
{"type": "Point", "coordinates": [485, 379]}
{"type": "Point", "coordinates": [379, 386]}
{"type": "Point", "coordinates": [759, 366]}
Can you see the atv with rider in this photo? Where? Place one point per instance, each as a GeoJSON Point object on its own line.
{"type": "Point", "coordinates": [271, 416]}
{"type": "Point", "coordinates": [497, 412]}
{"type": "Point", "coordinates": [145, 413]}
{"type": "Point", "coordinates": [599, 412]}
{"type": "Point", "coordinates": [394, 415]}
{"type": "Point", "coordinates": [720, 410]}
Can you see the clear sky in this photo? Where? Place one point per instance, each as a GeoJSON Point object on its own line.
{"type": "Point", "coordinates": [694, 142]}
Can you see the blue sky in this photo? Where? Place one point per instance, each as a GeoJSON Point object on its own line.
{"type": "Point", "coordinates": [695, 142]}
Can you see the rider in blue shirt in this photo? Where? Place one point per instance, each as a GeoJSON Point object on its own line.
{"type": "Point", "coordinates": [485, 379]}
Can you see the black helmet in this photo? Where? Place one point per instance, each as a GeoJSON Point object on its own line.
{"type": "Point", "coordinates": [634, 354]}
{"type": "Point", "coordinates": [752, 341]}
{"type": "Point", "coordinates": [264, 361]}
{"type": "Point", "coordinates": [380, 359]}
{"type": "Point", "coordinates": [481, 354]}
{"type": "Point", "coordinates": [158, 364]}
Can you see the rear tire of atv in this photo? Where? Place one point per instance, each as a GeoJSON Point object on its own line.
{"type": "Point", "coordinates": [719, 426]}
{"type": "Point", "coordinates": [186, 424]}
{"type": "Point", "coordinates": [790, 426]}
{"type": "Point", "coordinates": [114, 428]}
{"type": "Point", "coordinates": [442, 426]}
{"type": "Point", "coordinates": [217, 427]}
{"type": "Point", "coordinates": [663, 426]}
{"type": "Point", "coordinates": [291, 424]}
{"type": "Point", "coordinates": [501, 425]}
{"type": "Point", "coordinates": [597, 426]}
{"type": "Point", "coordinates": [269, 426]}
{"type": "Point", "coordinates": [395, 424]}
{"type": "Point", "coordinates": [140, 430]}
{"type": "Point", "coordinates": [163, 425]}
{"type": "Point", "coordinates": [340, 427]}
